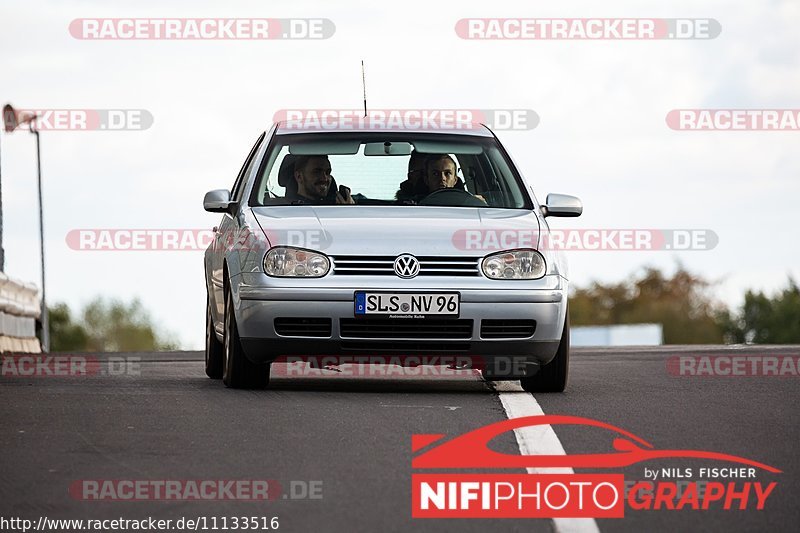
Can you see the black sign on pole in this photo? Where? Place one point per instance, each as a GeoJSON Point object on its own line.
{"type": "Point", "coordinates": [9, 124]}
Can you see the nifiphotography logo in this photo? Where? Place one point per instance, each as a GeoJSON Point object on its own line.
{"type": "Point", "coordinates": [717, 485]}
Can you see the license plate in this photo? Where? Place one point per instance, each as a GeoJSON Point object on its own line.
{"type": "Point", "coordinates": [407, 304]}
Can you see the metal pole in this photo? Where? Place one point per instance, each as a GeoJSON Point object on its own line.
{"type": "Point", "coordinates": [364, 86]}
{"type": "Point", "coordinates": [45, 317]}
{"type": "Point", "coordinates": [2, 252]}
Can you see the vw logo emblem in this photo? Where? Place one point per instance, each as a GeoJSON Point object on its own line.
{"type": "Point", "coordinates": [406, 266]}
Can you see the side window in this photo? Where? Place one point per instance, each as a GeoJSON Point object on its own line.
{"type": "Point", "coordinates": [270, 181]}
{"type": "Point", "coordinates": [245, 170]}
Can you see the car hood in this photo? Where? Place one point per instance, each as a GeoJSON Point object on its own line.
{"type": "Point", "coordinates": [392, 230]}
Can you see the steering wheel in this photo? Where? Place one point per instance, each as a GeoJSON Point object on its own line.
{"type": "Point", "coordinates": [452, 197]}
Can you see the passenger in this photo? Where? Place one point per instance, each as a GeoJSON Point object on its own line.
{"type": "Point", "coordinates": [313, 176]}
{"type": "Point", "coordinates": [414, 186]}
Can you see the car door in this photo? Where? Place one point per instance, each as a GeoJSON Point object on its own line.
{"type": "Point", "coordinates": [225, 234]}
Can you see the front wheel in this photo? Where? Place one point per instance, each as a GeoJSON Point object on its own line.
{"type": "Point", "coordinates": [553, 376]}
{"type": "Point", "coordinates": [238, 371]}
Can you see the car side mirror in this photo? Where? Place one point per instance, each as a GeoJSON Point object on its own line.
{"type": "Point", "coordinates": [562, 205]}
{"type": "Point", "coordinates": [217, 201]}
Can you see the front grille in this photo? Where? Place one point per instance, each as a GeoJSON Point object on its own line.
{"type": "Point", "coordinates": [409, 328]}
{"type": "Point", "coordinates": [383, 265]}
{"type": "Point", "coordinates": [507, 329]}
{"type": "Point", "coordinates": [303, 327]}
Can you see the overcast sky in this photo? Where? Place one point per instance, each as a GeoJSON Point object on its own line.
{"type": "Point", "coordinates": [602, 136]}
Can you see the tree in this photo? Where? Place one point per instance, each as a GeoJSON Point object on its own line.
{"type": "Point", "coordinates": [107, 326]}
{"type": "Point", "coordinates": [65, 335]}
{"type": "Point", "coordinates": [765, 320]}
{"type": "Point", "coordinates": [681, 304]}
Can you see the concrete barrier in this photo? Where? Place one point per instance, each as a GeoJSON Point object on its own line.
{"type": "Point", "coordinates": [617, 335]}
{"type": "Point", "coordinates": [19, 309]}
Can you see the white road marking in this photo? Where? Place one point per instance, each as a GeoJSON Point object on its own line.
{"type": "Point", "coordinates": [539, 440]}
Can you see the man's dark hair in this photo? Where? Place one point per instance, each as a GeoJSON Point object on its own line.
{"type": "Point", "coordinates": [302, 160]}
{"type": "Point", "coordinates": [437, 157]}
{"type": "Point", "coordinates": [417, 157]}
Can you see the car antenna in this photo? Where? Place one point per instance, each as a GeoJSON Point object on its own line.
{"type": "Point", "coordinates": [364, 87]}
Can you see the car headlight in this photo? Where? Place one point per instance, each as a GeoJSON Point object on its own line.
{"type": "Point", "coordinates": [287, 262]}
{"type": "Point", "coordinates": [514, 264]}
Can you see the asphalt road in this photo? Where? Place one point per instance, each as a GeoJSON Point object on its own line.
{"type": "Point", "coordinates": [345, 440]}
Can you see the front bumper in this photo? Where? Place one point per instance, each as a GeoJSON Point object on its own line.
{"type": "Point", "coordinates": [257, 307]}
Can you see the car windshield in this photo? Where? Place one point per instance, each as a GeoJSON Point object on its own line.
{"type": "Point", "coordinates": [387, 169]}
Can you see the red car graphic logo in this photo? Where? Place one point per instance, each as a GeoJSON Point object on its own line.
{"type": "Point", "coordinates": [471, 449]}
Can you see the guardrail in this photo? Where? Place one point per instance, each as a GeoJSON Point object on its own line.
{"type": "Point", "coordinates": [19, 309]}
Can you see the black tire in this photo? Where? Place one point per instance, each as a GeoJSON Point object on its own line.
{"type": "Point", "coordinates": [491, 377]}
{"type": "Point", "coordinates": [214, 349]}
{"type": "Point", "coordinates": [487, 375]}
{"type": "Point", "coordinates": [553, 376]}
{"type": "Point", "coordinates": [238, 371]}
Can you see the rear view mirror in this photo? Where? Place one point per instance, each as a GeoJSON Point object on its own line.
{"type": "Point", "coordinates": [562, 205]}
{"type": "Point", "coordinates": [217, 201]}
{"type": "Point", "coordinates": [387, 148]}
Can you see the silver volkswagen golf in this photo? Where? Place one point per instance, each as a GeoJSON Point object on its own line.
{"type": "Point", "coordinates": [420, 244]}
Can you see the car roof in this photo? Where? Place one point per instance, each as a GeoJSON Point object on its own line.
{"type": "Point", "coordinates": [290, 127]}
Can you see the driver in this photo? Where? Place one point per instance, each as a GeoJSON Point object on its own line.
{"type": "Point", "coordinates": [313, 176]}
{"type": "Point", "coordinates": [440, 173]}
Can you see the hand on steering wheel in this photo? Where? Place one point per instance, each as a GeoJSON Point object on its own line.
{"type": "Point", "coordinates": [452, 197]}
